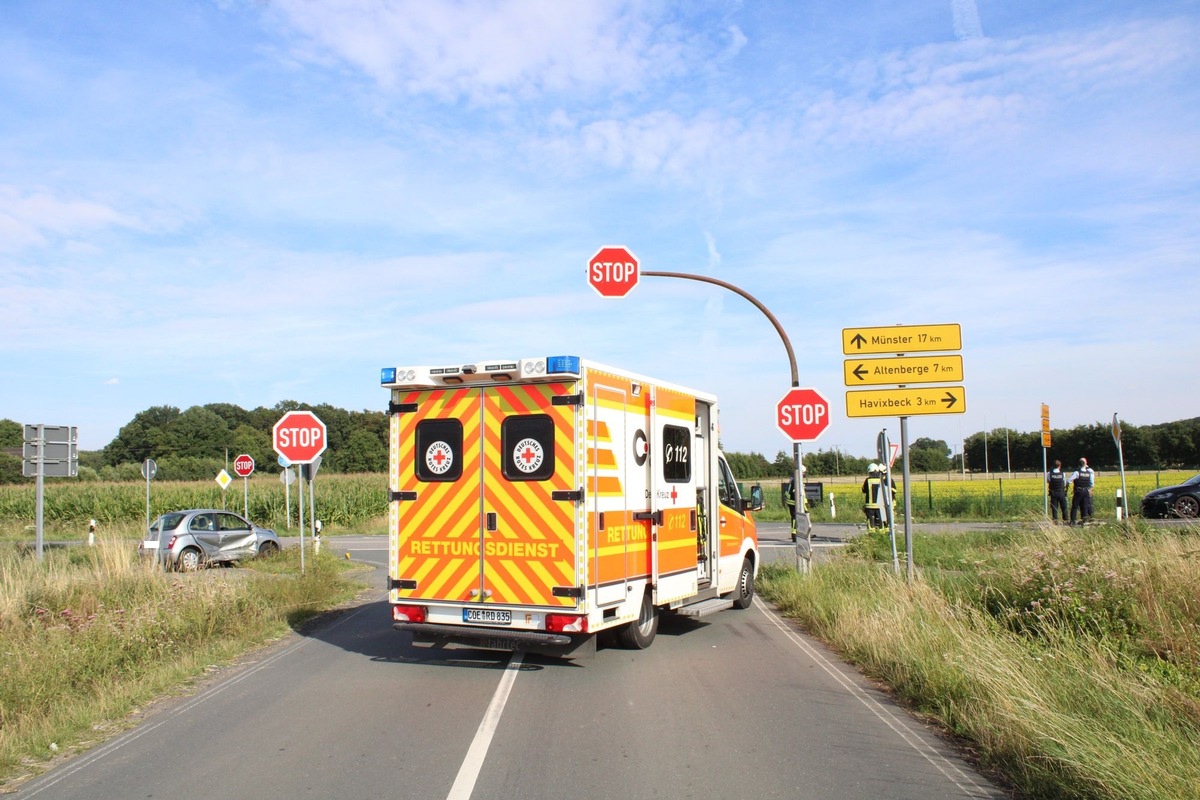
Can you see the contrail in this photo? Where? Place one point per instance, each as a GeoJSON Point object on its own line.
{"type": "Point", "coordinates": [966, 20]}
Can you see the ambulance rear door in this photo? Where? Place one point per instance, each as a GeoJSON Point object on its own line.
{"type": "Point", "coordinates": [485, 486]}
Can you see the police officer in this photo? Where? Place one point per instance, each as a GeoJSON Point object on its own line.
{"type": "Point", "coordinates": [1082, 481]}
{"type": "Point", "coordinates": [1056, 482]}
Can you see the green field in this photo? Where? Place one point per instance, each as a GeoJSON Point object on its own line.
{"type": "Point", "coordinates": [359, 502]}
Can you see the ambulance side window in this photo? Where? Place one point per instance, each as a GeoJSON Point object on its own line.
{"type": "Point", "coordinates": [439, 451]}
{"type": "Point", "coordinates": [677, 454]}
{"type": "Point", "coordinates": [528, 447]}
{"type": "Point", "coordinates": [727, 488]}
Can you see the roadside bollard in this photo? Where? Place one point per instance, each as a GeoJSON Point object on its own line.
{"type": "Point", "coordinates": [317, 538]}
{"type": "Point", "coordinates": [1120, 506]}
{"type": "Point", "coordinates": [832, 507]}
{"type": "Point", "coordinates": [91, 533]}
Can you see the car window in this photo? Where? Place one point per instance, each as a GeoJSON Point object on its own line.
{"type": "Point", "coordinates": [167, 522]}
{"type": "Point", "coordinates": [202, 522]}
{"type": "Point", "coordinates": [232, 522]}
{"type": "Point", "coordinates": [727, 488]}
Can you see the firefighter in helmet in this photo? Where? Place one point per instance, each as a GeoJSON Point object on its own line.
{"type": "Point", "coordinates": [872, 501]}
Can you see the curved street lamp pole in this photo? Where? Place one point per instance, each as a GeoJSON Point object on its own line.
{"type": "Point", "coordinates": [803, 524]}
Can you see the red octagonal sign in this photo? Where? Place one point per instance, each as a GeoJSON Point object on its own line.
{"type": "Point", "coordinates": [299, 437]}
{"type": "Point", "coordinates": [802, 415]}
{"type": "Point", "coordinates": [243, 465]}
{"type": "Point", "coordinates": [613, 271]}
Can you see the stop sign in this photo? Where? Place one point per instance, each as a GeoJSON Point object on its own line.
{"type": "Point", "coordinates": [243, 465]}
{"type": "Point", "coordinates": [613, 271]}
{"type": "Point", "coordinates": [299, 437]}
{"type": "Point", "coordinates": [802, 415]}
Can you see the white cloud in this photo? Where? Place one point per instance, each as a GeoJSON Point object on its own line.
{"type": "Point", "coordinates": [486, 50]}
{"type": "Point", "coordinates": [966, 19]}
{"type": "Point", "coordinates": [936, 93]}
{"type": "Point", "coordinates": [29, 217]}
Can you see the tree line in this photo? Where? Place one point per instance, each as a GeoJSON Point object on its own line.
{"type": "Point", "coordinates": [198, 442]}
{"type": "Point", "coordinates": [1169, 445]}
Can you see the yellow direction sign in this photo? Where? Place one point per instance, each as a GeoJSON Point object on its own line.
{"type": "Point", "coordinates": [901, 339]}
{"type": "Point", "coordinates": [906, 402]}
{"type": "Point", "coordinates": [903, 369]}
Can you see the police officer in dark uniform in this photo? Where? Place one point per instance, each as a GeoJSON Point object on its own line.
{"type": "Point", "coordinates": [1082, 481]}
{"type": "Point", "coordinates": [1056, 481]}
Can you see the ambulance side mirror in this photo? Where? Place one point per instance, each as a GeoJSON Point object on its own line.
{"type": "Point", "coordinates": [755, 501]}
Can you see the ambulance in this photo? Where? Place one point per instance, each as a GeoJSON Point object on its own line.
{"type": "Point", "coordinates": [537, 503]}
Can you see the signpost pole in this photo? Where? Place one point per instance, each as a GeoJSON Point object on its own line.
{"type": "Point", "coordinates": [312, 509]}
{"type": "Point", "coordinates": [146, 469]}
{"type": "Point", "coordinates": [882, 448]}
{"type": "Point", "coordinates": [908, 539]}
{"type": "Point", "coordinates": [41, 471]}
{"type": "Point", "coordinates": [300, 471]}
{"type": "Point", "coordinates": [803, 523]}
{"type": "Point", "coordinates": [1116, 432]}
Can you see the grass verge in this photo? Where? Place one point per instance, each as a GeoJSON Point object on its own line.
{"type": "Point", "coordinates": [1070, 659]}
{"type": "Point", "coordinates": [90, 634]}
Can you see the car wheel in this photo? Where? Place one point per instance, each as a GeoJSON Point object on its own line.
{"type": "Point", "coordinates": [1187, 506]}
{"type": "Point", "coordinates": [638, 635]}
{"type": "Point", "coordinates": [267, 549]}
{"type": "Point", "coordinates": [744, 594]}
{"type": "Point", "coordinates": [189, 560]}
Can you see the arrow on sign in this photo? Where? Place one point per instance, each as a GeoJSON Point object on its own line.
{"type": "Point", "coordinates": [858, 341]}
{"type": "Point", "coordinates": [949, 400]}
{"type": "Point", "coordinates": [859, 372]}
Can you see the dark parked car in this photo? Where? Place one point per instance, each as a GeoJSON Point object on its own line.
{"type": "Point", "coordinates": [1174, 501]}
{"type": "Point", "coordinates": [190, 539]}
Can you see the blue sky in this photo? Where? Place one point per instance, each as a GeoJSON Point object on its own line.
{"type": "Point", "coordinates": [251, 201]}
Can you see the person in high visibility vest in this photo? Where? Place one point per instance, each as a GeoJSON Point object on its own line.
{"type": "Point", "coordinates": [872, 505]}
{"type": "Point", "coordinates": [789, 498]}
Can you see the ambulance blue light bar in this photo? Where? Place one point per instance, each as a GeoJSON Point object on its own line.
{"type": "Point", "coordinates": [562, 364]}
{"type": "Point", "coordinates": [387, 375]}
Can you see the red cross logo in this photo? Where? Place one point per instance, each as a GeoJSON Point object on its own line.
{"type": "Point", "coordinates": [674, 495]}
{"type": "Point", "coordinates": [528, 455]}
{"type": "Point", "coordinates": [439, 458]}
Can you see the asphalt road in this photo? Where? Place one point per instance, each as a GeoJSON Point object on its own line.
{"type": "Point", "coordinates": [737, 705]}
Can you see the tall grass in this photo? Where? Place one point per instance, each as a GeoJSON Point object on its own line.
{"type": "Point", "coordinates": [1071, 661]}
{"type": "Point", "coordinates": [90, 633]}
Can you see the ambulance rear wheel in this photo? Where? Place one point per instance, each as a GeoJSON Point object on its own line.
{"type": "Point", "coordinates": [743, 596]}
{"type": "Point", "coordinates": [638, 635]}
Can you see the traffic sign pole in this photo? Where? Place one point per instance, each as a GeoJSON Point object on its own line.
{"type": "Point", "coordinates": [801, 516]}
{"type": "Point", "coordinates": [41, 471]}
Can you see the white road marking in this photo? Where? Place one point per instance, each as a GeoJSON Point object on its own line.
{"type": "Point", "coordinates": [956, 776]}
{"type": "Point", "coordinates": [468, 773]}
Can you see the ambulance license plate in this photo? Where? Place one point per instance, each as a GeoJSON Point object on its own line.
{"type": "Point", "coordinates": [488, 616]}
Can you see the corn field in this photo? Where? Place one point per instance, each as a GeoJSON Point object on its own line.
{"type": "Point", "coordinates": [358, 501]}
{"type": "Point", "coordinates": [997, 498]}
{"type": "Point", "coordinates": [342, 501]}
